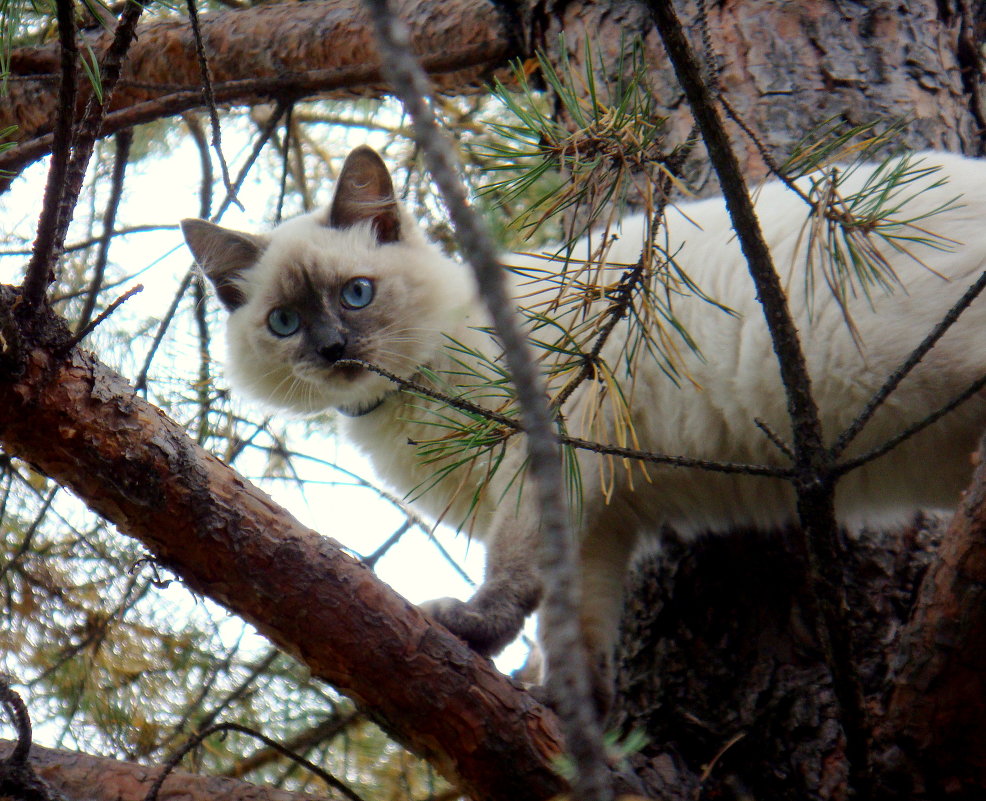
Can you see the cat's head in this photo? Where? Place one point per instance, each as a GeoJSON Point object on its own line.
{"type": "Point", "coordinates": [354, 281]}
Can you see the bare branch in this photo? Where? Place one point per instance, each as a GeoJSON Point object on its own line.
{"type": "Point", "coordinates": [123, 142]}
{"type": "Point", "coordinates": [91, 326]}
{"type": "Point", "coordinates": [893, 381]}
{"type": "Point", "coordinates": [46, 245]}
{"type": "Point", "coordinates": [565, 651]}
{"type": "Point", "coordinates": [210, 97]}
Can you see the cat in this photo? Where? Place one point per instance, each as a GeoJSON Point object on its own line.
{"type": "Point", "coordinates": [358, 280]}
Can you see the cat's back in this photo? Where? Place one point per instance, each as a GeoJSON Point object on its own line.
{"type": "Point", "coordinates": [933, 250]}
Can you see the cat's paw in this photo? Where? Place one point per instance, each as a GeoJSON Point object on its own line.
{"type": "Point", "coordinates": [486, 631]}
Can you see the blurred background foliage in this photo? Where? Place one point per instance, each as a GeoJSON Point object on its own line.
{"type": "Point", "coordinates": [112, 654]}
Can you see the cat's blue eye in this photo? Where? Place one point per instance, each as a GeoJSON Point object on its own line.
{"type": "Point", "coordinates": [283, 322]}
{"type": "Point", "coordinates": [357, 293]}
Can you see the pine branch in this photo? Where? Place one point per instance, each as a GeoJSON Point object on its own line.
{"type": "Point", "coordinates": [812, 480]}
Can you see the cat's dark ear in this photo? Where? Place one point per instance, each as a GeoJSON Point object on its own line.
{"type": "Point", "coordinates": [366, 192]}
{"type": "Point", "coordinates": [223, 255]}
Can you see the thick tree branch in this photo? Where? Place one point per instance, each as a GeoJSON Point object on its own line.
{"type": "Point", "coordinates": [80, 423]}
{"type": "Point", "coordinates": [80, 777]}
{"type": "Point", "coordinates": [322, 47]}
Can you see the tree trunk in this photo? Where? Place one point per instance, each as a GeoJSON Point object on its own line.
{"type": "Point", "coordinates": [719, 665]}
{"type": "Point", "coordinates": [789, 67]}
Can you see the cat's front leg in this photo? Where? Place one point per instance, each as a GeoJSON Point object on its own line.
{"type": "Point", "coordinates": [604, 557]}
{"type": "Point", "coordinates": [511, 591]}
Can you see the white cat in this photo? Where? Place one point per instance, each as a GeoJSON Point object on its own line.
{"type": "Point", "coordinates": [358, 281]}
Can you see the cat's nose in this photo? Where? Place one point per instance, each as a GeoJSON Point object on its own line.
{"type": "Point", "coordinates": [332, 351]}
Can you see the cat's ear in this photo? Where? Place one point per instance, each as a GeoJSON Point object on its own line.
{"type": "Point", "coordinates": [223, 255]}
{"type": "Point", "coordinates": [366, 192]}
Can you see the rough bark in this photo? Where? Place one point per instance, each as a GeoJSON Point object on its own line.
{"type": "Point", "coordinates": [787, 67]}
{"type": "Point", "coordinates": [935, 713]}
{"type": "Point", "coordinates": [80, 777]}
{"type": "Point", "coordinates": [323, 48]}
{"type": "Point", "coordinates": [81, 424]}
{"type": "Point", "coordinates": [744, 703]}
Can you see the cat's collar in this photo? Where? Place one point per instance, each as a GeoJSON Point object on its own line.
{"type": "Point", "coordinates": [363, 411]}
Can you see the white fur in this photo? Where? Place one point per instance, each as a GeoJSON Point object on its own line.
{"type": "Point", "coordinates": [710, 414]}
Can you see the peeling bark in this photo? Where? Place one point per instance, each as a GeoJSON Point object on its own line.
{"type": "Point", "coordinates": [81, 424]}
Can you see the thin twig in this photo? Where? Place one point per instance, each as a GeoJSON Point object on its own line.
{"type": "Point", "coordinates": [141, 384]}
{"type": "Point", "coordinates": [210, 98]}
{"type": "Point", "coordinates": [765, 155]}
{"type": "Point", "coordinates": [322, 732]}
{"type": "Point", "coordinates": [90, 327]}
{"type": "Point", "coordinates": [195, 741]}
{"type": "Point", "coordinates": [266, 131]}
{"type": "Point", "coordinates": [123, 142]}
{"type": "Point", "coordinates": [28, 538]}
{"type": "Point", "coordinates": [88, 129]}
{"type": "Point", "coordinates": [774, 438]}
{"type": "Point", "coordinates": [857, 461]}
{"type": "Point", "coordinates": [285, 150]}
{"type": "Point", "coordinates": [461, 404]}
{"type": "Point", "coordinates": [515, 426]}
{"type": "Point", "coordinates": [567, 667]}
{"type": "Point", "coordinates": [894, 379]}
{"type": "Point", "coordinates": [46, 245]}
{"type": "Point", "coordinates": [767, 471]}
{"type": "Point", "coordinates": [217, 667]}
{"type": "Point", "coordinates": [199, 293]}
{"type": "Point", "coordinates": [95, 240]}
{"type": "Point", "coordinates": [259, 670]}
{"type": "Point", "coordinates": [371, 560]}
{"type": "Point", "coordinates": [205, 164]}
